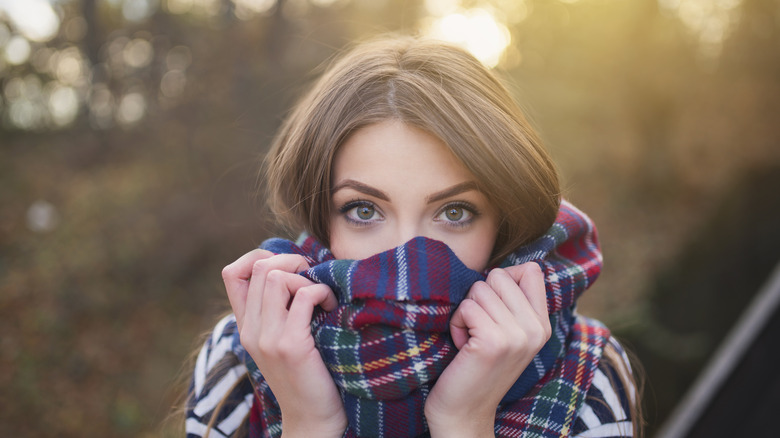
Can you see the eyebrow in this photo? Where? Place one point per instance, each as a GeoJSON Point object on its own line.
{"type": "Point", "coordinates": [363, 188]}
{"type": "Point", "coordinates": [438, 196]}
{"type": "Point", "coordinates": [451, 191]}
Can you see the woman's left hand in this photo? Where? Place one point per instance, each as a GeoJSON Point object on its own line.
{"type": "Point", "coordinates": [498, 328]}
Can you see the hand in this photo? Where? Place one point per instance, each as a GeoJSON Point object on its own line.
{"type": "Point", "coordinates": [500, 326]}
{"type": "Point", "coordinates": [273, 307]}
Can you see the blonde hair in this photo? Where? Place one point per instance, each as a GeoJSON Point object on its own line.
{"type": "Point", "coordinates": [433, 86]}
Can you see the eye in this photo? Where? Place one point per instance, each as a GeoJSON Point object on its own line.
{"type": "Point", "coordinates": [360, 212]}
{"type": "Point", "coordinates": [458, 214]}
{"type": "Point", "coordinates": [364, 212]}
{"type": "Point", "coordinates": [455, 214]}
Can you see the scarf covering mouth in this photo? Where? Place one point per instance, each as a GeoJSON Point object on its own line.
{"type": "Point", "coordinates": [388, 340]}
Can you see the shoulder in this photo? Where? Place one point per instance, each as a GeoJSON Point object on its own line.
{"type": "Point", "coordinates": [607, 411]}
{"type": "Point", "coordinates": [220, 394]}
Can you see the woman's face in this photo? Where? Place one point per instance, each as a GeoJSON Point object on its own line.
{"type": "Point", "coordinates": [393, 182]}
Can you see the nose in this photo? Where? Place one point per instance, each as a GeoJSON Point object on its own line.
{"type": "Point", "coordinates": [406, 231]}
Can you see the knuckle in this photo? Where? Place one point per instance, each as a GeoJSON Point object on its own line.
{"type": "Point", "coordinates": [287, 349]}
{"type": "Point", "coordinates": [274, 276]}
{"type": "Point", "coordinates": [266, 347]}
{"type": "Point", "coordinates": [466, 309]}
{"type": "Point", "coordinates": [305, 295]}
{"type": "Point", "coordinates": [300, 259]}
{"type": "Point", "coordinates": [480, 289]}
{"type": "Point", "coordinates": [498, 272]}
{"type": "Point", "coordinates": [534, 268]}
{"type": "Point", "coordinates": [537, 336]}
{"type": "Point", "coordinates": [228, 272]}
{"type": "Point", "coordinates": [468, 306]}
{"type": "Point", "coordinates": [259, 267]}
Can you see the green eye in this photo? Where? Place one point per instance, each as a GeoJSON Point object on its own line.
{"type": "Point", "coordinates": [361, 213]}
{"type": "Point", "coordinates": [454, 214]}
{"type": "Point", "coordinates": [365, 212]}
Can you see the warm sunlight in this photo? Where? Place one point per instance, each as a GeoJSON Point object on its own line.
{"type": "Point", "coordinates": [477, 30]}
{"type": "Point", "coordinates": [35, 19]}
{"type": "Point", "coordinates": [710, 21]}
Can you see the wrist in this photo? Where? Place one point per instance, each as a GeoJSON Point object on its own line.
{"type": "Point", "coordinates": [300, 431]}
{"type": "Point", "coordinates": [466, 426]}
{"type": "Point", "coordinates": [294, 427]}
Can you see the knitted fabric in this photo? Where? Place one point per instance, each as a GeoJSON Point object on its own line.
{"type": "Point", "coordinates": [387, 341]}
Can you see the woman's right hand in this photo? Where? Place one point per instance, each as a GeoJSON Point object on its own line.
{"type": "Point", "coordinates": [274, 307]}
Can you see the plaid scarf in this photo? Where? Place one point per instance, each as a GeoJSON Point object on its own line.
{"type": "Point", "coordinates": [387, 341]}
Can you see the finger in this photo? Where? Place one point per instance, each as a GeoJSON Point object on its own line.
{"type": "Point", "coordinates": [278, 291]}
{"type": "Point", "coordinates": [305, 300]}
{"type": "Point", "coordinates": [507, 289]}
{"type": "Point", "coordinates": [466, 321]}
{"type": "Point", "coordinates": [490, 300]}
{"type": "Point", "coordinates": [236, 278]}
{"type": "Point", "coordinates": [530, 279]}
{"type": "Point", "coordinates": [260, 269]}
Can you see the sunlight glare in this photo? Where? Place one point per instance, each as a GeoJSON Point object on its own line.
{"type": "Point", "coordinates": [325, 3]}
{"type": "Point", "coordinates": [476, 30]}
{"type": "Point", "coordinates": [711, 21]}
{"type": "Point", "coordinates": [35, 19]}
{"type": "Point", "coordinates": [441, 7]}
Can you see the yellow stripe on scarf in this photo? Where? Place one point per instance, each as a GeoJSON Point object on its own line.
{"type": "Point", "coordinates": [583, 341]}
{"type": "Point", "coordinates": [385, 361]}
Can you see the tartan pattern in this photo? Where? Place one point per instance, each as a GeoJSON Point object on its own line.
{"type": "Point", "coordinates": [387, 341]}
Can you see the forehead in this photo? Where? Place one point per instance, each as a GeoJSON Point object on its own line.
{"type": "Point", "coordinates": [392, 150]}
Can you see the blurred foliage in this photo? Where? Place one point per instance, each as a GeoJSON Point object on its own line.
{"type": "Point", "coordinates": [132, 132]}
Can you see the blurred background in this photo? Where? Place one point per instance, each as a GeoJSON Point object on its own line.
{"type": "Point", "coordinates": [131, 133]}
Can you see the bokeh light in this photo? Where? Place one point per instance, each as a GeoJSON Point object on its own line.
{"type": "Point", "coordinates": [710, 21]}
{"type": "Point", "coordinates": [246, 9]}
{"type": "Point", "coordinates": [132, 108]}
{"type": "Point", "coordinates": [42, 216]}
{"type": "Point", "coordinates": [101, 107]}
{"type": "Point", "coordinates": [138, 10]}
{"type": "Point", "coordinates": [477, 30]}
{"type": "Point", "coordinates": [198, 7]}
{"type": "Point", "coordinates": [63, 105]}
{"type": "Point", "coordinates": [138, 53]}
{"type": "Point", "coordinates": [17, 50]}
{"type": "Point", "coordinates": [35, 19]}
{"type": "Point", "coordinates": [69, 66]}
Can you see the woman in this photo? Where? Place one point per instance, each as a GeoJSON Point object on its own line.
{"type": "Point", "coordinates": [439, 271]}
